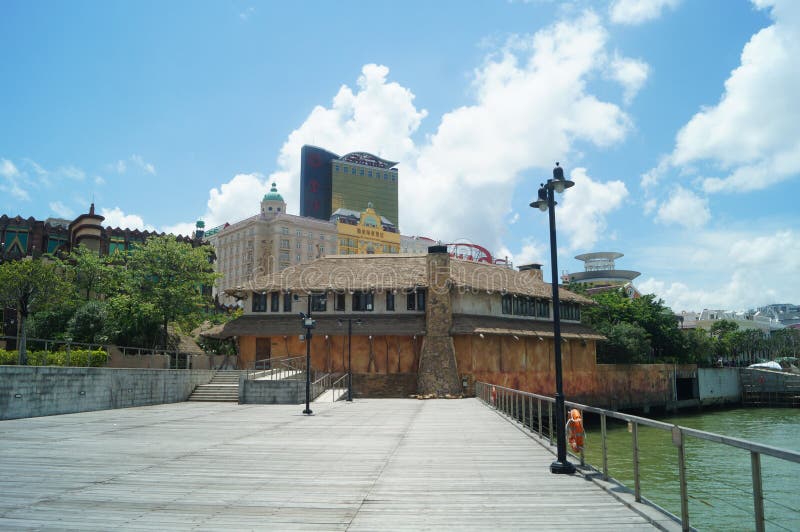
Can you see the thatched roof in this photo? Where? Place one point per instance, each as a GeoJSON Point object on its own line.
{"type": "Point", "coordinates": [398, 272]}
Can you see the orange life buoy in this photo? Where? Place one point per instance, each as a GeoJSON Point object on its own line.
{"type": "Point", "coordinates": [575, 433]}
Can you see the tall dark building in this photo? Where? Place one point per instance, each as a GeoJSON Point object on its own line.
{"type": "Point", "coordinates": [316, 182]}
{"type": "Point", "coordinates": [329, 182]}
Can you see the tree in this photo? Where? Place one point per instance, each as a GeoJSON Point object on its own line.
{"type": "Point", "coordinates": [30, 285]}
{"type": "Point", "coordinates": [651, 332]}
{"type": "Point", "coordinates": [168, 276]}
{"type": "Point", "coordinates": [92, 273]}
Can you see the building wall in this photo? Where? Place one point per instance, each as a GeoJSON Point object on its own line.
{"type": "Point", "coordinates": [365, 238]}
{"type": "Point", "coordinates": [355, 185]}
{"type": "Point", "coordinates": [261, 245]}
{"type": "Point", "coordinates": [719, 385]}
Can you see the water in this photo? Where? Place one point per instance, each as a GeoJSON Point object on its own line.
{"type": "Point", "coordinates": [718, 476]}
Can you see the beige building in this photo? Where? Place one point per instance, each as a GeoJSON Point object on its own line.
{"type": "Point", "coordinates": [267, 242]}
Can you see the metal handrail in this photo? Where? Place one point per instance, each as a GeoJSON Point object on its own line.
{"type": "Point", "coordinates": [277, 368]}
{"type": "Point", "coordinates": [512, 403]}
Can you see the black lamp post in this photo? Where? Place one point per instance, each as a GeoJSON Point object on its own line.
{"type": "Point", "coordinates": [546, 202]}
{"type": "Point", "coordinates": [309, 324]}
{"type": "Point", "coordinates": [349, 353]}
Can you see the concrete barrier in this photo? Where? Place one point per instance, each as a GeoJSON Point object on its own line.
{"type": "Point", "coordinates": [272, 392]}
{"type": "Point", "coordinates": [32, 391]}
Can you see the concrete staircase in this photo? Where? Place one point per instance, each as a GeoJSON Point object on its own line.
{"type": "Point", "coordinates": [224, 387]}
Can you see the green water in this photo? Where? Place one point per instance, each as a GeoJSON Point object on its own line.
{"type": "Point", "coordinates": [718, 476]}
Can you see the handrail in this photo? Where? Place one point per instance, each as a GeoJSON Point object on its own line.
{"type": "Point", "coordinates": [512, 403]}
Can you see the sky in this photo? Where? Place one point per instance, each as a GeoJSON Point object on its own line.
{"type": "Point", "coordinates": [674, 118]}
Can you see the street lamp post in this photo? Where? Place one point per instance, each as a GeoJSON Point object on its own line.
{"type": "Point", "coordinates": [546, 202]}
{"type": "Point", "coordinates": [309, 324]}
{"type": "Point", "coordinates": [349, 353]}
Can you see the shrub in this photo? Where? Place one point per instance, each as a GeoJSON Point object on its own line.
{"type": "Point", "coordinates": [77, 357]}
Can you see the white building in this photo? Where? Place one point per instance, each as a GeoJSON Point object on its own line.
{"type": "Point", "coordinates": [267, 242]}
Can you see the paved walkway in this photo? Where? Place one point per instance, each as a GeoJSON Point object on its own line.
{"type": "Point", "coordinates": [367, 465]}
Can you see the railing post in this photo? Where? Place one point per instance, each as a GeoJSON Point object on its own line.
{"type": "Point", "coordinates": [637, 492]}
{"type": "Point", "coordinates": [758, 491]}
{"type": "Point", "coordinates": [530, 410]}
{"type": "Point", "coordinates": [550, 420]}
{"type": "Point", "coordinates": [522, 410]}
{"type": "Point", "coordinates": [678, 440]}
{"type": "Point", "coordinates": [539, 415]}
{"type": "Point", "coordinates": [604, 444]}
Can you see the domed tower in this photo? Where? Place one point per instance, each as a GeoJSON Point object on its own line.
{"type": "Point", "coordinates": [272, 203]}
{"type": "Point", "coordinates": [87, 229]}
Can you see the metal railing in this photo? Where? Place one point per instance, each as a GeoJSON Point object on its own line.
{"type": "Point", "coordinates": [177, 359]}
{"type": "Point", "coordinates": [527, 408]}
{"type": "Point", "coordinates": [327, 382]}
{"type": "Point", "coordinates": [277, 368]}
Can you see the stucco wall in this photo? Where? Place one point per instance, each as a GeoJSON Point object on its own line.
{"type": "Point", "coordinates": [269, 392]}
{"type": "Point", "coordinates": [29, 391]}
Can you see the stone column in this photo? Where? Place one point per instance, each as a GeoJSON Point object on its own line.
{"type": "Point", "coordinates": [438, 374]}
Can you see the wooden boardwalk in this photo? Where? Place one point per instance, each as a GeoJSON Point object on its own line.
{"type": "Point", "coordinates": [367, 465]}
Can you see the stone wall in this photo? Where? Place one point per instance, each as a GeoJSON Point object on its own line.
{"type": "Point", "coordinates": [438, 372]}
{"type": "Point", "coordinates": [397, 385]}
{"type": "Point", "coordinates": [32, 391]}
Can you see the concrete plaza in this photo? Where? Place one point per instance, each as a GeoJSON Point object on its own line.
{"type": "Point", "coordinates": [368, 465]}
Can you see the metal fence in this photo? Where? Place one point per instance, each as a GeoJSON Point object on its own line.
{"type": "Point", "coordinates": [177, 359]}
{"type": "Point", "coordinates": [529, 409]}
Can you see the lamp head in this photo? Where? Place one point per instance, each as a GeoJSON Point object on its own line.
{"type": "Point", "coordinates": [558, 182]}
{"type": "Point", "coordinates": [540, 203]}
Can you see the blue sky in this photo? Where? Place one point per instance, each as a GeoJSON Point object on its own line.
{"type": "Point", "coordinates": [678, 121]}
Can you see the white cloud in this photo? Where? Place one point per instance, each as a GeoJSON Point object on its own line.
{"type": "Point", "coordinates": [120, 166]}
{"type": "Point", "coordinates": [531, 105]}
{"type": "Point", "coordinates": [141, 163]}
{"type": "Point", "coordinates": [180, 229]}
{"type": "Point", "coordinates": [72, 172]}
{"type": "Point", "coordinates": [753, 261]}
{"type": "Point", "coordinates": [582, 210]}
{"type": "Point", "coordinates": [751, 135]}
{"type": "Point", "coordinates": [8, 169]}
{"type": "Point", "coordinates": [685, 208]}
{"type": "Point", "coordinates": [247, 13]}
{"type": "Point", "coordinates": [514, 218]}
{"type": "Point", "coordinates": [630, 73]}
{"type": "Point", "coordinates": [634, 12]}
{"type": "Point", "coordinates": [117, 218]}
{"type": "Point", "coordinates": [235, 200]}
{"type": "Point", "coordinates": [14, 179]}
{"type": "Point", "coordinates": [98, 180]}
{"type": "Point", "coordinates": [529, 254]}
{"type": "Point", "coordinates": [61, 210]}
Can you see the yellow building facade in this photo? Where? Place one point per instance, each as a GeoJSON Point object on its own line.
{"type": "Point", "coordinates": [365, 232]}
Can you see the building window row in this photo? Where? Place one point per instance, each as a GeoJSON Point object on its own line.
{"type": "Point", "coordinates": [525, 306]}
{"type": "Point", "coordinates": [361, 301]}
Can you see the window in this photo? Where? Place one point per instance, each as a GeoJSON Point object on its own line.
{"type": "Point", "coordinates": [297, 258]}
{"type": "Point", "coordinates": [318, 303]}
{"type": "Point", "coordinates": [353, 171]}
{"type": "Point", "coordinates": [542, 308]}
{"type": "Point", "coordinates": [506, 304]}
{"type": "Point", "coordinates": [363, 301]}
{"type": "Point", "coordinates": [322, 237]}
{"type": "Point", "coordinates": [322, 250]}
{"type": "Point", "coordinates": [284, 256]}
{"type": "Point", "coordinates": [259, 302]}
{"type": "Point", "coordinates": [389, 301]}
{"type": "Point", "coordinates": [369, 173]}
{"type": "Point", "coordinates": [287, 300]}
{"type": "Point", "coordinates": [284, 230]}
{"type": "Point", "coordinates": [275, 302]}
{"type": "Point", "coordinates": [284, 243]}
{"type": "Point", "coordinates": [299, 245]}
{"type": "Point", "coordinates": [336, 167]}
{"type": "Point", "coordinates": [339, 302]}
{"type": "Point", "coordinates": [415, 300]}
{"type": "Point", "coordinates": [570, 311]}
{"type": "Point", "coordinates": [299, 233]}
{"type": "Point", "coordinates": [361, 172]}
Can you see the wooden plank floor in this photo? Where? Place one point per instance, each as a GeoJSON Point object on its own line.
{"type": "Point", "coordinates": [368, 465]}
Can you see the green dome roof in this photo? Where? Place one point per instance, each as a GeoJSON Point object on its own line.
{"type": "Point", "coordinates": [273, 195]}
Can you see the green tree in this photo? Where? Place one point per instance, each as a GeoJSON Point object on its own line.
{"type": "Point", "coordinates": [92, 274]}
{"type": "Point", "coordinates": [169, 276]}
{"type": "Point", "coordinates": [31, 285]}
{"type": "Point", "coordinates": [662, 340]}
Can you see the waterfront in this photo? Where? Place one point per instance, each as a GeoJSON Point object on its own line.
{"type": "Point", "coordinates": [718, 476]}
